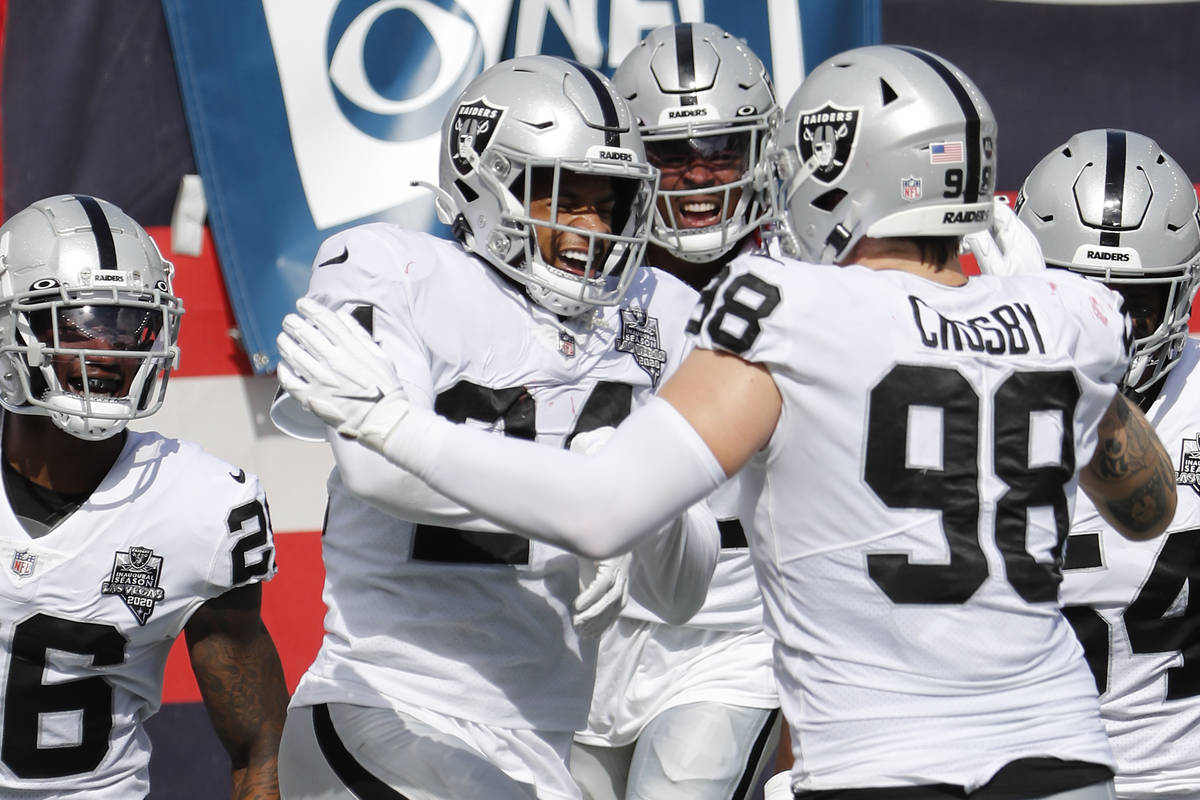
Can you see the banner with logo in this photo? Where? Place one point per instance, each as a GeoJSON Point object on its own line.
{"type": "Point", "coordinates": [308, 116]}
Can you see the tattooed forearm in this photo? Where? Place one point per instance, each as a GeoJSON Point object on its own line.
{"type": "Point", "coordinates": [1147, 506]}
{"type": "Point", "coordinates": [1130, 477]}
{"type": "Point", "coordinates": [241, 680]}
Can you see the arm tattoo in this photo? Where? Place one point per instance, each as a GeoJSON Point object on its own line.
{"type": "Point", "coordinates": [1124, 448]}
{"type": "Point", "coordinates": [1144, 509]}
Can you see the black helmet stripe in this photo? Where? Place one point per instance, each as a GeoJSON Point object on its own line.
{"type": "Point", "coordinates": [970, 113]}
{"type": "Point", "coordinates": [1114, 188]}
{"type": "Point", "coordinates": [685, 62]}
{"type": "Point", "coordinates": [608, 109]}
{"type": "Point", "coordinates": [105, 247]}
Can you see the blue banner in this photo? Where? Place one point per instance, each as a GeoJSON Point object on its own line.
{"type": "Point", "coordinates": [308, 116]}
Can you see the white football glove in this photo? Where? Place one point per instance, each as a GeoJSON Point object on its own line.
{"type": "Point", "coordinates": [603, 585]}
{"type": "Point", "coordinates": [1007, 247]}
{"type": "Point", "coordinates": [604, 590]}
{"type": "Point", "coordinates": [333, 369]}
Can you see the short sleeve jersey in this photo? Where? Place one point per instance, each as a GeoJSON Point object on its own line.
{"type": "Point", "coordinates": [1136, 608]}
{"type": "Point", "coordinates": [91, 609]}
{"type": "Point", "coordinates": [907, 516]}
{"type": "Point", "coordinates": [472, 622]}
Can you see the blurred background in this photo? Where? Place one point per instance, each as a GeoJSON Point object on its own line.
{"type": "Point", "coordinates": [243, 132]}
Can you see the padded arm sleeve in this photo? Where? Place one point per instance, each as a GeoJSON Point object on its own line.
{"type": "Point", "coordinates": [598, 506]}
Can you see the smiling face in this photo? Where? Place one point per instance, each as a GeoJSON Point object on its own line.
{"type": "Point", "coordinates": [585, 204]}
{"type": "Point", "coordinates": [689, 166]}
{"type": "Point", "coordinates": [107, 329]}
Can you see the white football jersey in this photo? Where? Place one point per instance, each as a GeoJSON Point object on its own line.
{"type": "Point", "coordinates": [1136, 608]}
{"type": "Point", "coordinates": [464, 620]}
{"type": "Point", "coordinates": [907, 516]}
{"type": "Point", "coordinates": [88, 613]}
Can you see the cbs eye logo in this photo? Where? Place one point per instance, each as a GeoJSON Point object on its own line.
{"type": "Point", "coordinates": [395, 66]}
{"type": "Point", "coordinates": [366, 85]}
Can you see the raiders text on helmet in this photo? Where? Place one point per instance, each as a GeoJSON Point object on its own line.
{"type": "Point", "coordinates": [88, 321]}
{"type": "Point", "coordinates": [694, 81]}
{"type": "Point", "coordinates": [553, 116]}
{"type": "Point", "coordinates": [883, 141]}
{"type": "Point", "coordinates": [1111, 205]}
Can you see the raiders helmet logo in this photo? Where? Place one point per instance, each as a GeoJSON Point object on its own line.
{"type": "Point", "coordinates": [826, 138]}
{"type": "Point", "coordinates": [472, 129]}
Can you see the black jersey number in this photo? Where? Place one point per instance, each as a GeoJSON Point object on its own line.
{"type": "Point", "coordinates": [953, 490]}
{"type": "Point", "coordinates": [251, 519]}
{"type": "Point", "coordinates": [27, 697]}
{"type": "Point", "coordinates": [746, 300]}
{"type": "Point", "coordinates": [1153, 622]}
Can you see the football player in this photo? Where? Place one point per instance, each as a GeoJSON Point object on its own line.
{"type": "Point", "coordinates": [691, 711]}
{"type": "Point", "coordinates": [1112, 206]}
{"type": "Point", "coordinates": [451, 665]}
{"type": "Point", "coordinates": [911, 438]}
{"type": "Point", "coordinates": [115, 541]}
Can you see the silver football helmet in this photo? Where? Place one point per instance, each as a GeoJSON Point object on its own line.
{"type": "Point", "coordinates": [1111, 205]}
{"type": "Point", "coordinates": [537, 128]}
{"type": "Point", "coordinates": [88, 320]}
{"type": "Point", "coordinates": [702, 95]}
{"type": "Point", "coordinates": [883, 141]}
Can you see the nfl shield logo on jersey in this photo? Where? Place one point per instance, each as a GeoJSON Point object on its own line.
{"type": "Point", "coordinates": [474, 124]}
{"type": "Point", "coordinates": [827, 135]}
{"type": "Point", "coordinates": [1189, 464]}
{"type": "Point", "coordinates": [134, 578]}
{"type": "Point", "coordinates": [23, 563]}
{"type": "Point", "coordinates": [639, 337]}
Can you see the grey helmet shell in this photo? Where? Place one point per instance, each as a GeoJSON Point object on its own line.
{"type": "Point", "coordinates": [1111, 205]}
{"type": "Point", "coordinates": [66, 254]}
{"type": "Point", "coordinates": [544, 112]}
{"type": "Point", "coordinates": [691, 80]}
{"type": "Point", "coordinates": [883, 141]}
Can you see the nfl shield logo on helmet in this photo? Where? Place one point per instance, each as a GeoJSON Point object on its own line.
{"type": "Point", "coordinates": [826, 138]}
{"type": "Point", "coordinates": [910, 188]}
{"type": "Point", "coordinates": [23, 563]}
{"type": "Point", "coordinates": [474, 123]}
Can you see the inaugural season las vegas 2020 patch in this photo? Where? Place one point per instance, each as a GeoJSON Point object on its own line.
{"type": "Point", "coordinates": [134, 578]}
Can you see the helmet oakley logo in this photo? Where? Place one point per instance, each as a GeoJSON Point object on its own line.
{"type": "Point", "coordinates": [474, 124]}
{"type": "Point", "coordinates": [827, 136]}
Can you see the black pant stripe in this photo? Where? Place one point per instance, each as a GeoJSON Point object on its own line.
{"type": "Point", "coordinates": [742, 792]}
{"type": "Point", "coordinates": [361, 783]}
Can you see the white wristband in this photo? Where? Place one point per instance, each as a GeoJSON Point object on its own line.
{"type": "Point", "coordinates": [779, 787]}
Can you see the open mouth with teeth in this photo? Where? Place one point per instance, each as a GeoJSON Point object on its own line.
{"type": "Point", "coordinates": [697, 212]}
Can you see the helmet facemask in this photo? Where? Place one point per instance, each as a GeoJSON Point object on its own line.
{"type": "Point", "coordinates": [571, 252]}
{"type": "Point", "coordinates": [92, 361]}
{"type": "Point", "coordinates": [701, 220]}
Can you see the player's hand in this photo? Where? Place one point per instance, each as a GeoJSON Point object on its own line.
{"type": "Point", "coordinates": [604, 590]}
{"type": "Point", "coordinates": [333, 369]}
{"type": "Point", "coordinates": [604, 585]}
{"type": "Point", "coordinates": [1008, 247]}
